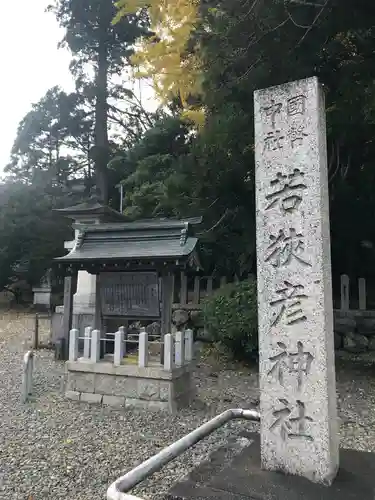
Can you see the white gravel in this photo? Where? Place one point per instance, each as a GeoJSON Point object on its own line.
{"type": "Point", "coordinates": [52, 448]}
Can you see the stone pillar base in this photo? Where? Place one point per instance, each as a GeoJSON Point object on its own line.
{"type": "Point", "coordinates": [128, 386]}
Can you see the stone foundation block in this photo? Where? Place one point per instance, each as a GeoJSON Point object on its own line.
{"type": "Point", "coordinates": [115, 401]}
{"type": "Point", "coordinates": [70, 383]}
{"type": "Point", "coordinates": [147, 405]}
{"type": "Point", "coordinates": [104, 384]}
{"type": "Point", "coordinates": [84, 382]}
{"type": "Point", "coordinates": [166, 391]}
{"type": "Point", "coordinates": [126, 387]}
{"type": "Point", "coordinates": [88, 397]}
{"type": "Point", "coordinates": [73, 395]}
{"type": "Point", "coordinates": [149, 390]}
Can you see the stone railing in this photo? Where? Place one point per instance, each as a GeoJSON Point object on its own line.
{"type": "Point", "coordinates": [178, 348]}
{"type": "Point", "coordinates": [128, 380]}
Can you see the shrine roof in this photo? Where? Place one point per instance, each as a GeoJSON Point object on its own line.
{"type": "Point", "coordinates": [90, 209]}
{"type": "Point", "coordinates": [143, 239]}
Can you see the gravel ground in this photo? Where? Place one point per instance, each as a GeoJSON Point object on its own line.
{"type": "Point", "coordinates": [52, 448]}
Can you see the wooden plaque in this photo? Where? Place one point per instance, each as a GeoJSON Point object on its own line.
{"type": "Point", "coordinates": [130, 294]}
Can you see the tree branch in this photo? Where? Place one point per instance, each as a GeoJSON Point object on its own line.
{"type": "Point", "coordinates": [224, 216]}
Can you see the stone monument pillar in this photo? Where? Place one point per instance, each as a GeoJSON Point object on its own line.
{"type": "Point", "coordinates": [299, 425]}
{"type": "Point", "coordinates": [84, 298]}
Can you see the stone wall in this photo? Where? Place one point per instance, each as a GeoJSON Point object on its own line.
{"type": "Point", "coordinates": [354, 330]}
{"type": "Point", "coordinates": [127, 386]}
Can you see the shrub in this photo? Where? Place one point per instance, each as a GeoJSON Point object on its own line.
{"type": "Point", "coordinates": [230, 317]}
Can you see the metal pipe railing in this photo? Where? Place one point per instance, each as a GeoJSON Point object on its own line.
{"type": "Point", "coordinates": [118, 490]}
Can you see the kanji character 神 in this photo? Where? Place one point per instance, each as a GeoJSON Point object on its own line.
{"type": "Point", "coordinates": [291, 362]}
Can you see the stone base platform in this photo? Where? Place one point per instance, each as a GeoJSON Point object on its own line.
{"type": "Point", "coordinates": [241, 478]}
{"type": "Point", "coordinates": [127, 386]}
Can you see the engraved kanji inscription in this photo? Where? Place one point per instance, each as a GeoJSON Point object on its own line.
{"type": "Point", "coordinates": [296, 134]}
{"type": "Point", "coordinates": [272, 110]}
{"type": "Point", "coordinates": [288, 305]}
{"type": "Point", "coordinates": [273, 141]}
{"type": "Point", "coordinates": [280, 363]}
{"type": "Point", "coordinates": [298, 362]}
{"type": "Point", "coordinates": [296, 105]}
{"type": "Point", "coordinates": [286, 191]}
{"type": "Point", "coordinates": [291, 421]}
{"type": "Point", "coordinates": [286, 246]}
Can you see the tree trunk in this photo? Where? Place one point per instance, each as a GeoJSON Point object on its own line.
{"type": "Point", "coordinates": [101, 156]}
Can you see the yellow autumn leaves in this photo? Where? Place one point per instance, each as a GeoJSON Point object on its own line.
{"type": "Point", "coordinates": [174, 70]}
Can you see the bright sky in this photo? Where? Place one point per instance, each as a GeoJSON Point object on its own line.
{"type": "Point", "coordinates": [30, 62]}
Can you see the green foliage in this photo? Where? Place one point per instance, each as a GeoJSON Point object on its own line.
{"type": "Point", "coordinates": [153, 177]}
{"type": "Point", "coordinates": [170, 168]}
{"type": "Point", "coordinates": [101, 48]}
{"type": "Point", "coordinates": [31, 235]}
{"type": "Point", "coordinates": [230, 317]}
{"type": "Point", "coordinates": [251, 47]}
{"type": "Point", "coordinates": [55, 138]}
{"type": "Point", "coordinates": [66, 140]}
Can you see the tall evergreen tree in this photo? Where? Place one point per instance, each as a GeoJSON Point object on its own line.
{"type": "Point", "coordinates": [55, 137]}
{"type": "Point", "coordinates": [104, 48]}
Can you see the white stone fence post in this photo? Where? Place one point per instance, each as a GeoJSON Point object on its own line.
{"type": "Point", "coordinates": [120, 346]}
{"type": "Point", "coordinates": [344, 287]}
{"type": "Point", "coordinates": [178, 349]}
{"type": "Point", "coordinates": [345, 293]}
{"type": "Point", "coordinates": [184, 347]}
{"type": "Point", "coordinates": [27, 376]}
{"type": "Point", "coordinates": [87, 343]}
{"type": "Point", "coordinates": [189, 346]}
{"type": "Point", "coordinates": [362, 294]}
{"type": "Point", "coordinates": [73, 344]}
{"type": "Point", "coordinates": [179, 353]}
{"type": "Point", "coordinates": [91, 345]}
{"type": "Point", "coordinates": [143, 349]}
{"type": "Point", "coordinates": [168, 352]}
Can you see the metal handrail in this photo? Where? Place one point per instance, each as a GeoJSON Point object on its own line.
{"type": "Point", "coordinates": [118, 490]}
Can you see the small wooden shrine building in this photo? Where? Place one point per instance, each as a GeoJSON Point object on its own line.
{"type": "Point", "coordinates": [135, 264]}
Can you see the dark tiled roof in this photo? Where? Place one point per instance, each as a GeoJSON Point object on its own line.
{"type": "Point", "coordinates": [155, 238]}
{"type": "Point", "coordinates": [92, 208]}
{"type": "Point", "coordinates": [82, 207]}
{"type": "Point", "coordinates": [147, 225]}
